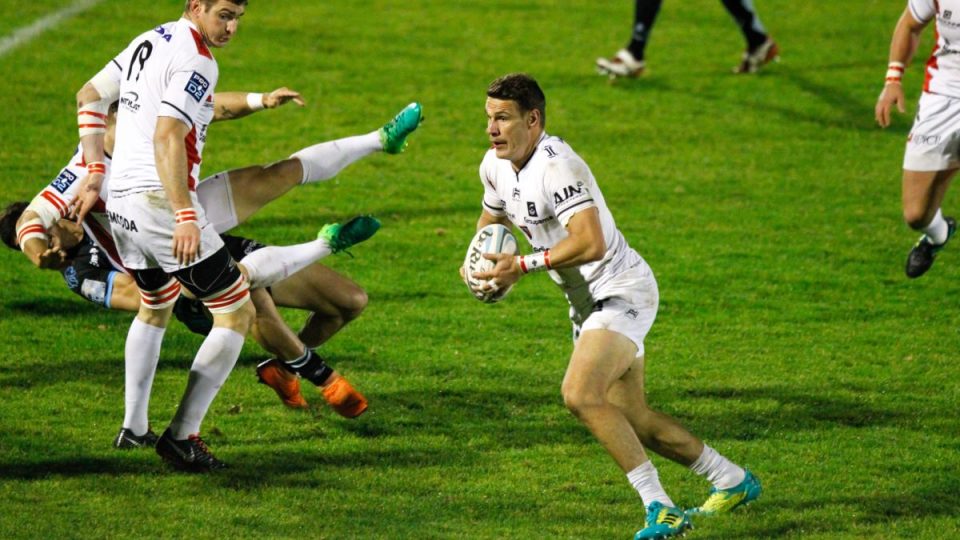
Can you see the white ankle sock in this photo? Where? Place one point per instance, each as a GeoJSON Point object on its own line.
{"type": "Point", "coordinates": [646, 481]}
{"type": "Point", "coordinates": [936, 231]}
{"type": "Point", "coordinates": [209, 371]}
{"type": "Point", "coordinates": [325, 160]}
{"type": "Point", "coordinates": [141, 353]}
{"type": "Point", "coordinates": [720, 471]}
{"type": "Point", "coordinates": [271, 264]}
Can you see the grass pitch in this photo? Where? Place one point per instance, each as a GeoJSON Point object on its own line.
{"type": "Point", "coordinates": [768, 207]}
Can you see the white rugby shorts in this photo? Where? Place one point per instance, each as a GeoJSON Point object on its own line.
{"type": "Point", "coordinates": [142, 226]}
{"type": "Point", "coordinates": [934, 140]}
{"type": "Point", "coordinates": [630, 312]}
{"type": "Point", "coordinates": [216, 198]}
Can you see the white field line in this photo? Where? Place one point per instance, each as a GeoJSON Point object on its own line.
{"type": "Point", "coordinates": [26, 33]}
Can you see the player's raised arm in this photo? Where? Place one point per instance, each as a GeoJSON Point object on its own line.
{"type": "Point", "coordinates": [906, 36]}
{"type": "Point", "coordinates": [233, 105]}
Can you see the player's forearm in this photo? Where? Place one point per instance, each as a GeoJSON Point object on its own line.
{"type": "Point", "coordinates": [233, 105]}
{"type": "Point", "coordinates": [92, 123]}
{"type": "Point", "coordinates": [171, 157]}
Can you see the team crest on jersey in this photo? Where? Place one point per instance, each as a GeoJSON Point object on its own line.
{"type": "Point", "coordinates": [633, 314]}
{"type": "Point", "coordinates": [532, 209]}
{"type": "Point", "coordinates": [947, 14]}
{"type": "Point", "coordinates": [63, 181]}
{"type": "Point", "coordinates": [197, 86]}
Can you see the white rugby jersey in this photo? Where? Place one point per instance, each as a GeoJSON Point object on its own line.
{"type": "Point", "coordinates": [51, 205]}
{"type": "Point", "coordinates": [539, 200]}
{"type": "Point", "coordinates": [167, 71]}
{"type": "Point", "coordinates": [943, 66]}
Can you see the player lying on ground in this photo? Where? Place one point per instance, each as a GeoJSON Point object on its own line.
{"type": "Point", "coordinates": [229, 198]}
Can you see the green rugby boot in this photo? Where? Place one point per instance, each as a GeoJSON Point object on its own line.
{"type": "Point", "coordinates": [393, 134]}
{"type": "Point", "coordinates": [340, 237]}
{"type": "Point", "coordinates": [724, 500]}
{"type": "Point", "coordinates": [664, 522]}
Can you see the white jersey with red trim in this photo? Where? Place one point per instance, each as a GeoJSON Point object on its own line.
{"type": "Point", "coordinates": [51, 205]}
{"type": "Point", "coordinates": [170, 72]}
{"type": "Point", "coordinates": [943, 66]}
{"type": "Point", "coordinates": [541, 198]}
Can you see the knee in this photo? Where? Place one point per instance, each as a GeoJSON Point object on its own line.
{"type": "Point", "coordinates": [580, 401]}
{"type": "Point", "coordinates": [354, 306]}
{"type": "Point", "coordinates": [916, 217]}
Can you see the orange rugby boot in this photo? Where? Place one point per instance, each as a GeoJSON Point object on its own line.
{"type": "Point", "coordinates": [344, 398]}
{"type": "Point", "coordinates": [284, 382]}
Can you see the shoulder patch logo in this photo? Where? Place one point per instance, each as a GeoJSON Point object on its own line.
{"type": "Point", "coordinates": [551, 153]}
{"type": "Point", "coordinates": [197, 86]}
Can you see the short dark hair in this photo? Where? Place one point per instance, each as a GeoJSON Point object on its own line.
{"type": "Point", "coordinates": [8, 223]}
{"type": "Point", "coordinates": [524, 90]}
{"type": "Point", "coordinates": [208, 3]}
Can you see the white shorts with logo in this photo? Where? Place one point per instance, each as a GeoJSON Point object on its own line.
{"type": "Point", "coordinates": [630, 312]}
{"type": "Point", "coordinates": [934, 140]}
{"type": "Point", "coordinates": [142, 226]}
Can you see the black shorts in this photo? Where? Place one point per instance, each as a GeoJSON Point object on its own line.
{"type": "Point", "coordinates": [90, 273]}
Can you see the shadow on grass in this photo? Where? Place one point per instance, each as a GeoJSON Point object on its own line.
{"type": "Point", "coordinates": [798, 409]}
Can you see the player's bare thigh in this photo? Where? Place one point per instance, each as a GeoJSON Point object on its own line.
{"type": "Point", "coordinates": [923, 193]}
{"type": "Point", "coordinates": [319, 289]}
{"type": "Point", "coordinates": [600, 358]}
{"type": "Point", "coordinates": [256, 186]}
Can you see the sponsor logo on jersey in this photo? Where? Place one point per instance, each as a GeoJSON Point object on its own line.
{"type": "Point", "coordinates": [540, 221]}
{"type": "Point", "coordinates": [568, 193]}
{"type": "Point", "coordinates": [63, 181]}
{"type": "Point", "coordinates": [70, 276]}
{"type": "Point", "coordinates": [122, 222]}
{"type": "Point", "coordinates": [551, 153]}
{"type": "Point", "coordinates": [924, 139]}
{"type": "Point", "coordinates": [163, 33]}
{"type": "Point", "coordinates": [197, 86]}
{"type": "Point", "coordinates": [532, 209]}
{"type": "Point", "coordinates": [130, 101]}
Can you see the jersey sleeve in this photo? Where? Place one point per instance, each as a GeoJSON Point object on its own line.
{"type": "Point", "coordinates": [922, 10]}
{"type": "Point", "coordinates": [492, 202]}
{"type": "Point", "coordinates": [107, 80]}
{"type": "Point", "coordinates": [567, 184]}
{"type": "Point", "coordinates": [187, 90]}
{"type": "Point", "coordinates": [51, 203]}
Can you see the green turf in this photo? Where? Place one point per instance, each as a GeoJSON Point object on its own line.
{"type": "Point", "coordinates": [768, 207]}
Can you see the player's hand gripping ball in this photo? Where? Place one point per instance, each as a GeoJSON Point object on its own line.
{"type": "Point", "coordinates": [490, 239]}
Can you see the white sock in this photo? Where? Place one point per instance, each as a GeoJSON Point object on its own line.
{"type": "Point", "coordinates": [646, 481]}
{"type": "Point", "coordinates": [720, 471]}
{"type": "Point", "coordinates": [209, 371]}
{"type": "Point", "coordinates": [325, 160]}
{"type": "Point", "coordinates": [271, 264]}
{"type": "Point", "coordinates": [141, 353]}
{"type": "Point", "coordinates": [936, 231]}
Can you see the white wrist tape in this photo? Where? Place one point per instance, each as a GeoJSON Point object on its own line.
{"type": "Point", "coordinates": [255, 101]}
{"type": "Point", "coordinates": [538, 262]}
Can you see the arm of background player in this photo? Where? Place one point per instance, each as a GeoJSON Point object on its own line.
{"type": "Point", "coordinates": [38, 249]}
{"type": "Point", "coordinates": [584, 243]}
{"type": "Point", "coordinates": [903, 45]}
{"type": "Point", "coordinates": [233, 105]}
{"type": "Point", "coordinates": [170, 152]}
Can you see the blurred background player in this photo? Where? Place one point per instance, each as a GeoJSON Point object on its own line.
{"type": "Point", "coordinates": [539, 184]}
{"type": "Point", "coordinates": [932, 154]}
{"type": "Point", "coordinates": [629, 61]}
{"type": "Point", "coordinates": [231, 197]}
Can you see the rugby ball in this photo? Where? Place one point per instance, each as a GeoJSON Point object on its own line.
{"type": "Point", "coordinates": [490, 239]}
